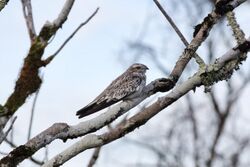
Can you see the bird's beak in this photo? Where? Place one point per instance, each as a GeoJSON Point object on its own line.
{"type": "Point", "coordinates": [147, 68]}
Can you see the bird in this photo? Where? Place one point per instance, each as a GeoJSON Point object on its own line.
{"type": "Point", "coordinates": [127, 86]}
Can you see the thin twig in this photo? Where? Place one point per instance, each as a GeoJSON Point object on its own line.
{"type": "Point", "coordinates": [183, 39]}
{"type": "Point", "coordinates": [238, 34]}
{"type": "Point", "coordinates": [46, 154]}
{"type": "Point", "coordinates": [94, 157]}
{"type": "Point", "coordinates": [50, 58]}
{"type": "Point", "coordinates": [10, 143]}
{"type": "Point", "coordinates": [193, 120]}
{"type": "Point", "coordinates": [4, 135]}
{"type": "Point", "coordinates": [27, 12]}
{"type": "Point", "coordinates": [171, 23]}
{"type": "Point", "coordinates": [215, 105]}
{"type": "Point", "coordinates": [33, 111]}
{"type": "Point", "coordinates": [11, 135]}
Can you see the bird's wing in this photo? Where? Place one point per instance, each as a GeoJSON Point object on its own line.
{"type": "Point", "coordinates": [119, 89]}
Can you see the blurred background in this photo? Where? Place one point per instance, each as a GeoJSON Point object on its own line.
{"type": "Point", "coordinates": [201, 129]}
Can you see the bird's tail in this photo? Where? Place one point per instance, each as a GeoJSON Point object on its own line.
{"type": "Point", "coordinates": [93, 107]}
{"type": "Point", "coordinates": [85, 111]}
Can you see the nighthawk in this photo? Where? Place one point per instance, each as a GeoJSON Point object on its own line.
{"type": "Point", "coordinates": [127, 86]}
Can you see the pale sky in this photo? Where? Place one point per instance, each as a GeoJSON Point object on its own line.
{"type": "Point", "coordinates": [87, 64]}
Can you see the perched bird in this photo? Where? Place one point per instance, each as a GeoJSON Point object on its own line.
{"type": "Point", "coordinates": [127, 86]}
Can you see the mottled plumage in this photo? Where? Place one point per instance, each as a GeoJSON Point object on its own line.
{"type": "Point", "coordinates": [127, 86]}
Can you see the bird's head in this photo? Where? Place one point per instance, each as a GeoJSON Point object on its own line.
{"type": "Point", "coordinates": [138, 68]}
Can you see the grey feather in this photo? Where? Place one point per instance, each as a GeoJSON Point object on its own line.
{"type": "Point", "coordinates": [126, 86]}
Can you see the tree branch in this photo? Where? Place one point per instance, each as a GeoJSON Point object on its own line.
{"type": "Point", "coordinates": [32, 113]}
{"type": "Point", "coordinates": [4, 135]}
{"type": "Point", "coordinates": [27, 12]}
{"type": "Point", "coordinates": [94, 157]}
{"type": "Point", "coordinates": [215, 104]}
{"type": "Point", "coordinates": [191, 110]}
